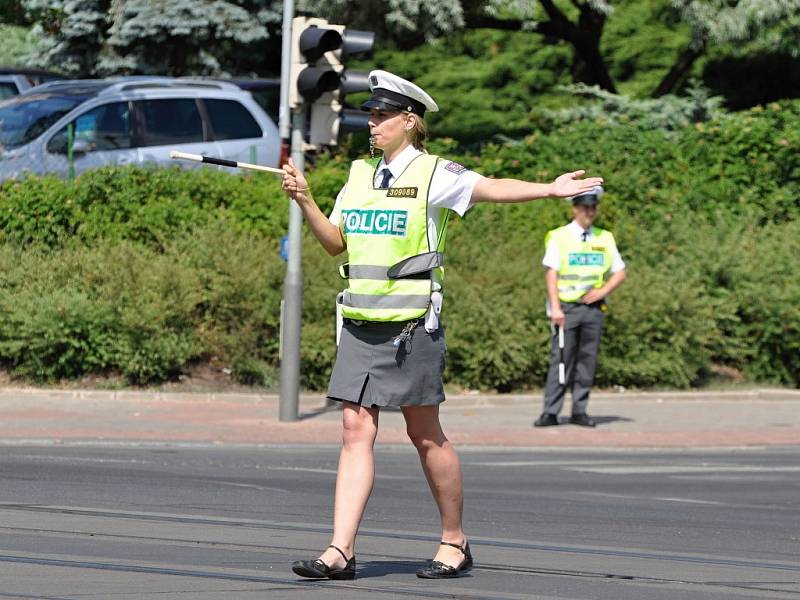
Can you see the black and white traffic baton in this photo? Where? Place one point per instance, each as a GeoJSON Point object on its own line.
{"type": "Point", "coordinates": [562, 375]}
{"type": "Point", "coordinates": [224, 162]}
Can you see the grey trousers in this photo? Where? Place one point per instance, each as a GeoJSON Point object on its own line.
{"type": "Point", "coordinates": [583, 326]}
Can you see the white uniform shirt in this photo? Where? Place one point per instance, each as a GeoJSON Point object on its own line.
{"type": "Point", "coordinates": [451, 187]}
{"type": "Point", "coordinates": [552, 259]}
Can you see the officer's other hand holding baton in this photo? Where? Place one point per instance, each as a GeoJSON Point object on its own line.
{"type": "Point", "coordinates": [557, 316]}
{"type": "Point", "coordinates": [295, 184]}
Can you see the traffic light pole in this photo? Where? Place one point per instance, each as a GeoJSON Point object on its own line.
{"type": "Point", "coordinates": [312, 80]}
{"type": "Point", "coordinates": [292, 313]}
{"type": "Point", "coordinates": [293, 289]}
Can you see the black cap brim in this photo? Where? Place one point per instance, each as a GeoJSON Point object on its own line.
{"type": "Point", "coordinates": [378, 104]}
{"type": "Point", "coordinates": [586, 200]}
{"type": "Point", "coordinates": [388, 100]}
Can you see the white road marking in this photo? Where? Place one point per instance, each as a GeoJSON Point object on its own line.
{"type": "Point", "coordinates": [84, 459]}
{"type": "Point", "coordinates": [251, 486]}
{"type": "Point", "coordinates": [333, 472]}
{"type": "Point", "coordinates": [662, 498]}
{"type": "Point", "coordinates": [541, 463]}
{"type": "Point", "coordinates": [669, 469]}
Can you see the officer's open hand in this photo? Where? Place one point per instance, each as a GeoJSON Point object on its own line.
{"type": "Point", "coordinates": [568, 184]}
{"type": "Point", "coordinates": [294, 182]}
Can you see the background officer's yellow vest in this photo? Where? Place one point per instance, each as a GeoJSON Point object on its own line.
{"type": "Point", "coordinates": [382, 227]}
{"type": "Point", "coordinates": [583, 264]}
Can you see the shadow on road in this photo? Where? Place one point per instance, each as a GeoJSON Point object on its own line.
{"type": "Point", "coordinates": [324, 409]}
{"type": "Point", "coordinates": [611, 419]}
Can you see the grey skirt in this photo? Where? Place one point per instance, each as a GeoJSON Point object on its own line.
{"type": "Point", "coordinates": [372, 371]}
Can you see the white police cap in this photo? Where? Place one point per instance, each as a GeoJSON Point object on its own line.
{"type": "Point", "coordinates": [592, 197]}
{"type": "Point", "coordinates": [390, 92]}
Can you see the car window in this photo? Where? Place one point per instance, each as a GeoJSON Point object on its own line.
{"type": "Point", "coordinates": [7, 89]}
{"type": "Point", "coordinates": [170, 121]}
{"type": "Point", "coordinates": [24, 118]}
{"type": "Point", "coordinates": [105, 127]}
{"type": "Point", "coordinates": [269, 100]}
{"type": "Point", "coordinates": [230, 120]}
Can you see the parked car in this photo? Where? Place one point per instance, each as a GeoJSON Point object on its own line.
{"type": "Point", "coordinates": [267, 92]}
{"type": "Point", "coordinates": [131, 121]}
{"type": "Point", "coordinates": [16, 81]}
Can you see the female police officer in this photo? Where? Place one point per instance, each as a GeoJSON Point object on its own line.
{"type": "Point", "coordinates": [391, 217]}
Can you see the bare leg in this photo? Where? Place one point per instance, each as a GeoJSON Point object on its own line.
{"type": "Point", "coordinates": [443, 472]}
{"type": "Point", "coordinates": [354, 479]}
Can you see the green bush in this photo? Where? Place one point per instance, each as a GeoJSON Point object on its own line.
{"type": "Point", "coordinates": [137, 204]}
{"type": "Point", "coordinates": [144, 272]}
{"type": "Point", "coordinates": [127, 308]}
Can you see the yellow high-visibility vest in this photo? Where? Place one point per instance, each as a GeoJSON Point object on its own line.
{"type": "Point", "coordinates": [583, 265]}
{"type": "Point", "coordinates": [383, 227]}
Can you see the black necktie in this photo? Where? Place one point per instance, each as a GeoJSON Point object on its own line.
{"type": "Point", "coordinates": [584, 236]}
{"type": "Point", "coordinates": [387, 174]}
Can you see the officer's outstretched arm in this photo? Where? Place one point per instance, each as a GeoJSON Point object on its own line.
{"type": "Point", "coordinates": [516, 190]}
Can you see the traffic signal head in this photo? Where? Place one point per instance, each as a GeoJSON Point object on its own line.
{"type": "Point", "coordinates": [312, 70]}
{"type": "Point", "coordinates": [318, 76]}
{"type": "Point", "coordinates": [314, 41]}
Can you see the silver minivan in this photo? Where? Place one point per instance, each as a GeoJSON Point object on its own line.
{"type": "Point", "coordinates": [130, 121]}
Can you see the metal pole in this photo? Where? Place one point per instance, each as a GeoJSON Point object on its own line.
{"type": "Point", "coordinates": [293, 288]}
{"type": "Point", "coordinates": [291, 305]}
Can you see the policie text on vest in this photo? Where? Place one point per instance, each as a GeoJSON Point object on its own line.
{"type": "Point", "coordinates": [375, 221]}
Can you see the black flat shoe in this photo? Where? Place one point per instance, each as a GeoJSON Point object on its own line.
{"type": "Point", "coordinates": [546, 420]}
{"type": "Point", "coordinates": [316, 569]}
{"type": "Point", "coordinates": [583, 420]}
{"type": "Point", "coordinates": [439, 570]}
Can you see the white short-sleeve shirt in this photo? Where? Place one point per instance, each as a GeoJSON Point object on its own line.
{"type": "Point", "coordinates": [552, 259]}
{"type": "Point", "coordinates": [451, 187]}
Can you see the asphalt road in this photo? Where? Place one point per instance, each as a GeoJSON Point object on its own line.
{"type": "Point", "coordinates": [197, 522]}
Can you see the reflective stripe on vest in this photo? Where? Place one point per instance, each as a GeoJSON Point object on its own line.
{"type": "Point", "coordinates": [378, 272]}
{"type": "Point", "coordinates": [583, 265]}
{"type": "Point", "coordinates": [393, 301]}
{"type": "Point", "coordinates": [382, 227]}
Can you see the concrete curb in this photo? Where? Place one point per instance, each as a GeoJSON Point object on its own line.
{"type": "Point", "coordinates": [729, 418]}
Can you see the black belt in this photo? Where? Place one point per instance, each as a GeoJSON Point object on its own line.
{"type": "Point", "coordinates": [598, 304]}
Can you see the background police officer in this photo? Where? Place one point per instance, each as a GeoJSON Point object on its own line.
{"type": "Point", "coordinates": [583, 268]}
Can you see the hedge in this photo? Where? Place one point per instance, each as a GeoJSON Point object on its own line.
{"type": "Point", "coordinates": [144, 272]}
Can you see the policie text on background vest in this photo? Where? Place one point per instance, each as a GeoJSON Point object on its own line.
{"type": "Point", "coordinates": [393, 265]}
{"type": "Point", "coordinates": [583, 265]}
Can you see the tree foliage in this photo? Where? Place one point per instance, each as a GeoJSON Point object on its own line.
{"type": "Point", "coordinates": [173, 37]}
{"type": "Point", "coordinates": [724, 22]}
{"type": "Point", "coordinates": [580, 24]}
{"type": "Point", "coordinates": [17, 45]}
{"type": "Point", "coordinates": [668, 113]}
{"type": "Point", "coordinates": [638, 47]}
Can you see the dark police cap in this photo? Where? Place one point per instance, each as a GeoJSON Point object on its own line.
{"type": "Point", "coordinates": [390, 92]}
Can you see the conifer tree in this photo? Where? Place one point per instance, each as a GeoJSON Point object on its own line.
{"type": "Point", "coordinates": [171, 37]}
